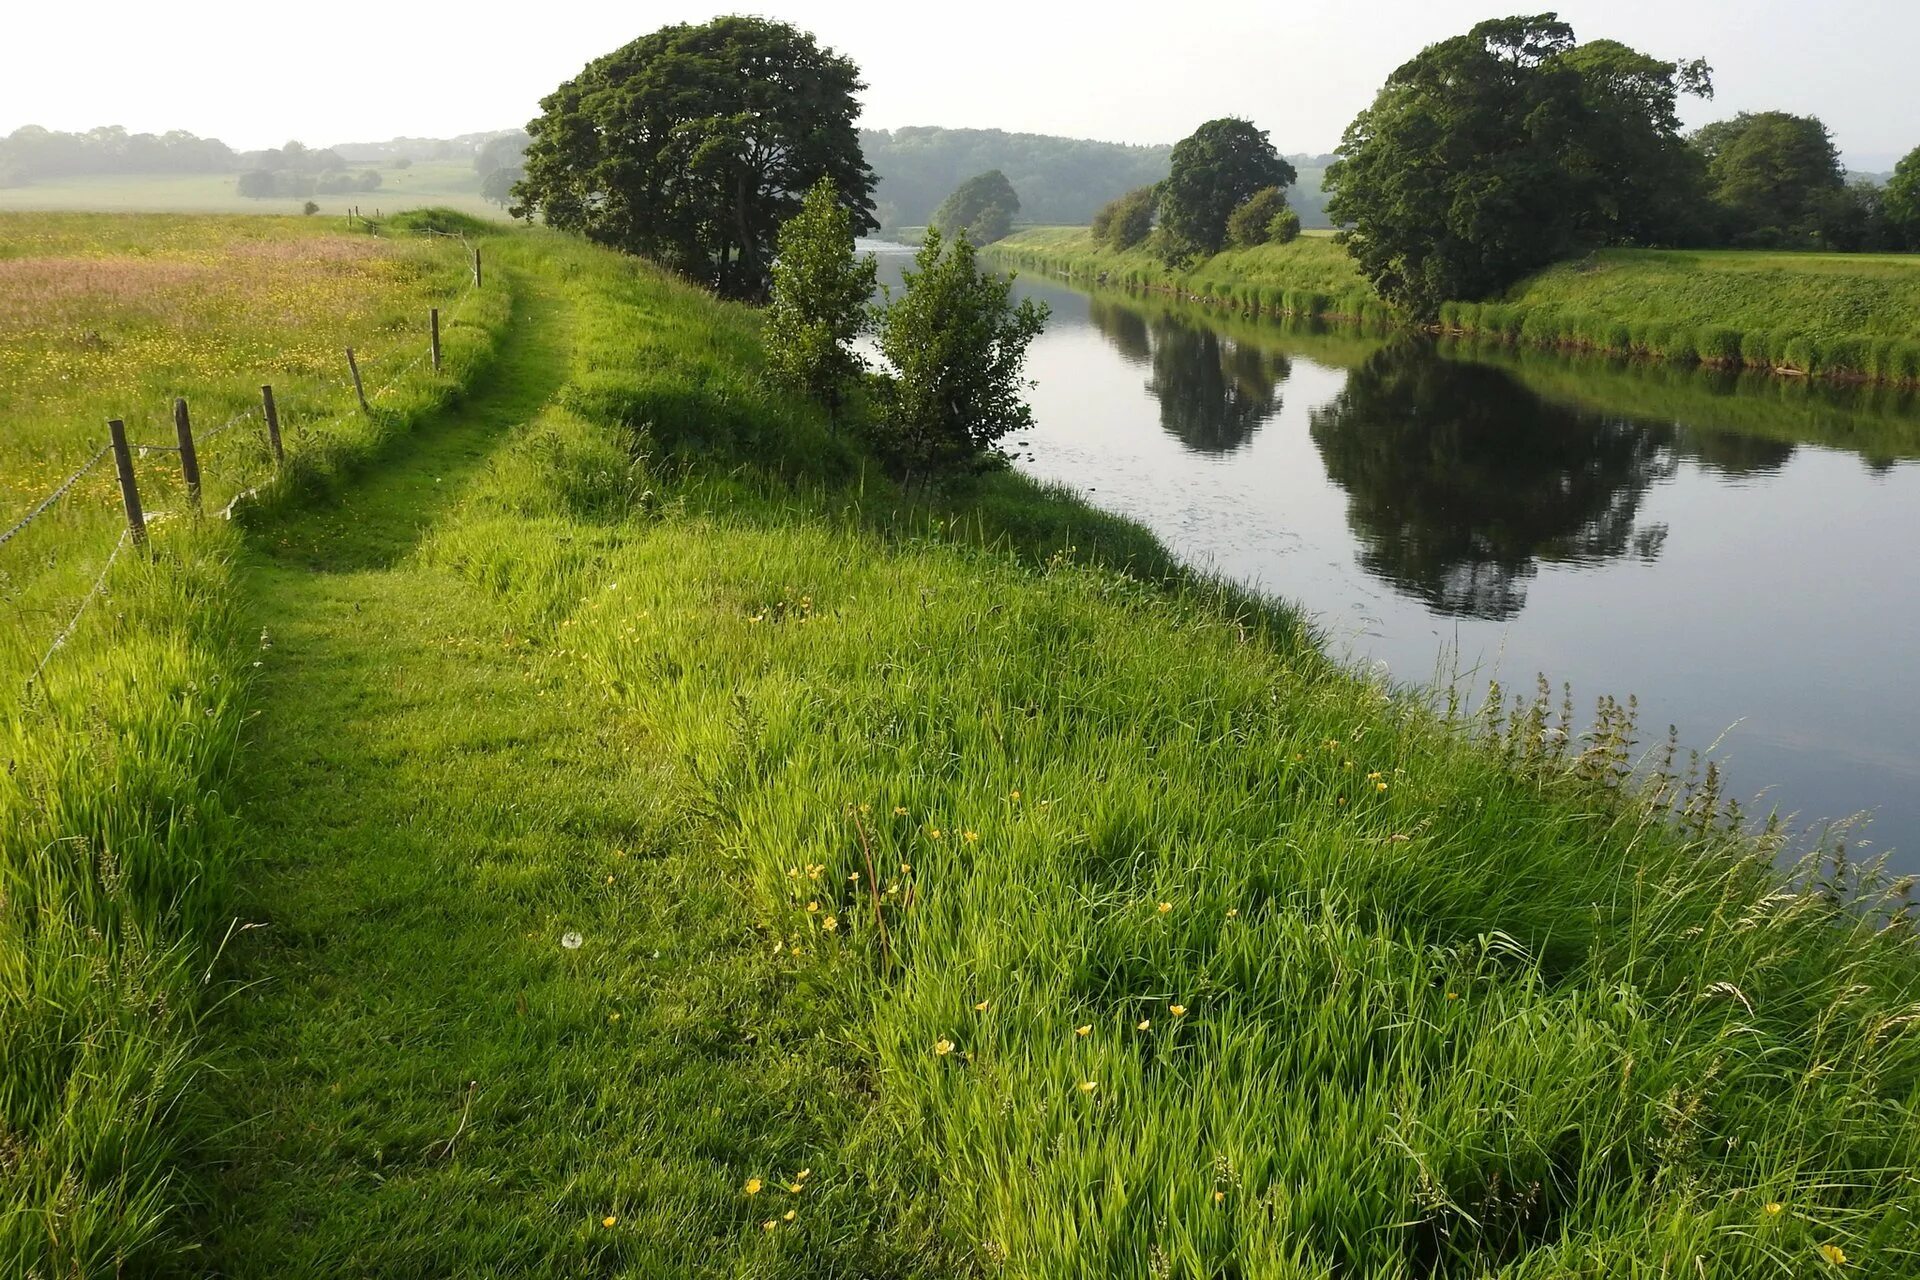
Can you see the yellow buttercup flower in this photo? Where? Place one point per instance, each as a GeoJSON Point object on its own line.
{"type": "Point", "coordinates": [767, 1225]}
{"type": "Point", "coordinates": [934, 832]}
{"type": "Point", "coordinates": [1218, 1196]}
{"type": "Point", "coordinates": [1143, 1025]}
{"type": "Point", "coordinates": [830, 924]}
{"type": "Point", "coordinates": [1088, 1086]}
{"type": "Point", "coordinates": [982, 1006]}
{"type": "Point", "coordinates": [1232, 912]}
{"type": "Point", "coordinates": [1165, 907]}
{"type": "Point", "coordinates": [1083, 1031]}
{"type": "Point", "coordinates": [608, 1221]}
{"type": "Point", "coordinates": [971, 837]}
{"type": "Point", "coordinates": [943, 1046]}
{"type": "Point", "coordinates": [899, 811]}
{"type": "Point", "coordinates": [753, 1186]}
{"type": "Point", "coordinates": [1177, 1010]}
{"type": "Point", "coordinates": [789, 1215]}
{"type": "Point", "coordinates": [1834, 1254]}
{"type": "Point", "coordinates": [1774, 1207]}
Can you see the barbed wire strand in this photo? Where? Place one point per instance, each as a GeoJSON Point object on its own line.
{"type": "Point", "coordinates": [66, 632]}
{"type": "Point", "coordinates": [47, 502]}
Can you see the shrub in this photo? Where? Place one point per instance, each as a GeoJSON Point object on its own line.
{"type": "Point", "coordinates": [309, 208]}
{"type": "Point", "coordinates": [1284, 228]}
{"type": "Point", "coordinates": [1250, 224]}
{"type": "Point", "coordinates": [821, 288]}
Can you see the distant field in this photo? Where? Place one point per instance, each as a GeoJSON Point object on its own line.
{"type": "Point", "coordinates": [113, 315]}
{"type": "Point", "coordinates": [450, 184]}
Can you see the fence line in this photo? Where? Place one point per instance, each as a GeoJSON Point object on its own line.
{"type": "Point", "coordinates": [55, 496]}
{"type": "Point", "coordinates": [66, 632]}
{"type": "Point", "coordinates": [135, 531]}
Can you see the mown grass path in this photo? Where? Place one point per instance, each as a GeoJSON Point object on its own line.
{"type": "Point", "coordinates": [421, 1078]}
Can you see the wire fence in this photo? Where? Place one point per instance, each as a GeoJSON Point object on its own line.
{"type": "Point", "coordinates": [186, 448]}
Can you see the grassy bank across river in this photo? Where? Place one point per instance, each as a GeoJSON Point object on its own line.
{"type": "Point", "coordinates": [1851, 317]}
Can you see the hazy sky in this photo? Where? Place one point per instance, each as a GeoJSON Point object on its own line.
{"type": "Point", "coordinates": [256, 74]}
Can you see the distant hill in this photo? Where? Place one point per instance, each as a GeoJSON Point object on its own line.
{"type": "Point", "coordinates": [1059, 180]}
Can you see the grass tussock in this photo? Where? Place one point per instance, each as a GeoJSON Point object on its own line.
{"type": "Point", "coordinates": [1235, 964]}
{"type": "Point", "coordinates": [117, 832]}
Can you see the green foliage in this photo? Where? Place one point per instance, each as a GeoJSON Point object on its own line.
{"type": "Point", "coordinates": [1493, 154]}
{"type": "Point", "coordinates": [1062, 180]}
{"type": "Point", "coordinates": [693, 145]}
{"type": "Point", "coordinates": [956, 343]}
{"type": "Point", "coordinates": [1775, 177]}
{"type": "Point", "coordinates": [497, 187]}
{"type": "Point", "coordinates": [819, 307]}
{"type": "Point", "coordinates": [1215, 169]}
{"type": "Point", "coordinates": [1283, 227]}
{"type": "Point", "coordinates": [1252, 222]}
{"type": "Point", "coordinates": [1127, 220]}
{"type": "Point", "coordinates": [982, 208]}
{"type": "Point", "coordinates": [1901, 202]}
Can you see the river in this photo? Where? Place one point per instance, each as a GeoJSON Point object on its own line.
{"type": "Point", "coordinates": [1736, 552]}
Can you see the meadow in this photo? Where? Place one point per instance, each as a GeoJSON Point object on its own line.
{"type": "Point", "coordinates": [448, 184]}
{"type": "Point", "coordinates": [681, 853]}
{"type": "Point", "coordinates": [1850, 317]}
{"type": "Point", "coordinates": [116, 841]}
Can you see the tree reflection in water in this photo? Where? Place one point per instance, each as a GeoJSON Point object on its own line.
{"type": "Point", "coordinates": [1214, 391]}
{"type": "Point", "coordinates": [1460, 481]}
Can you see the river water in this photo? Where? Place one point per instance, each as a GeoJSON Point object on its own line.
{"type": "Point", "coordinates": [1740, 553]}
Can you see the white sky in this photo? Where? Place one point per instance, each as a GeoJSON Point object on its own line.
{"type": "Point", "coordinates": [260, 72]}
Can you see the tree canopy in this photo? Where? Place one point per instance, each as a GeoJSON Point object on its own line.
{"type": "Point", "coordinates": [1776, 177]}
{"type": "Point", "coordinates": [1215, 169]}
{"type": "Point", "coordinates": [1125, 221]}
{"type": "Point", "coordinates": [1492, 154]}
{"type": "Point", "coordinates": [983, 207]}
{"type": "Point", "coordinates": [1901, 201]}
{"type": "Point", "coordinates": [692, 145]}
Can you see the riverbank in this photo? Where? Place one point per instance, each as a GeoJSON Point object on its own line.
{"type": "Point", "coordinates": [1011, 943]}
{"type": "Point", "coordinates": [1847, 317]}
{"type": "Point", "coordinates": [679, 852]}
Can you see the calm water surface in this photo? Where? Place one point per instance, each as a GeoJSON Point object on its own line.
{"type": "Point", "coordinates": [1739, 554]}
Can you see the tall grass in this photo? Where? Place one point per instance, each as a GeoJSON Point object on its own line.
{"type": "Point", "coordinates": [1849, 317]}
{"type": "Point", "coordinates": [1174, 948]}
{"type": "Point", "coordinates": [117, 841]}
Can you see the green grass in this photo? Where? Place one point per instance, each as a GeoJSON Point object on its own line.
{"type": "Point", "coordinates": [630, 645]}
{"type": "Point", "coordinates": [1309, 277]}
{"type": "Point", "coordinates": [1851, 317]}
{"type": "Point", "coordinates": [448, 184]}
{"type": "Point", "coordinates": [117, 837]}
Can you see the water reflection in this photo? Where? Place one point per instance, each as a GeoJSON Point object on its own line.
{"type": "Point", "coordinates": [1460, 481]}
{"type": "Point", "coordinates": [1213, 391]}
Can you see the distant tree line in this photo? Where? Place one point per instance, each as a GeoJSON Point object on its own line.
{"type": "Point", "coordinates": [31, 153]}
{"type": "Point", "coordinates": [1495, 153]}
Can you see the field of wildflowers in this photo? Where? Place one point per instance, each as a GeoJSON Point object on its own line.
{"type": "Point", "coordinates": [116, 834]}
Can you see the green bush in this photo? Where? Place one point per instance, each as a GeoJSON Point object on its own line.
{"type": "Point", "coordinates": [1802, 352]}
{"type": "Point", "coordinates": [1284, 228]}
{"type": "Point", "coordinates": [1717, 344]}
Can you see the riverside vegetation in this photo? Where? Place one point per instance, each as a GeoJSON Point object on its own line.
{"type": "Point", "coordinates": [676, 850]}
{"type": "Point", "coordinates": [1845, 316]}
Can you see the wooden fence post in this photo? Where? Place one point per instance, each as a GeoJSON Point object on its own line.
{"type": "Point", "coordinates": [434, 318]}
{"type": "Point", "coordinates": [273, 424]}
{"type": "Point", "coordinates": [129, 489]}
{"type": "Point", "coordinates": [189, 461]}
{"type": "Point", "coordinates": [358, 390]}
{"type": "Point", "coordinates": [476, 266]}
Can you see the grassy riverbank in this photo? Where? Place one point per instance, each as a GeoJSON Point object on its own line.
{"type": "Point", "coordinates": [678, 853]}
{"type": "Point", "coordinates": [1853, 317]}
{"type": "Point", "coordinates": [118, 833]}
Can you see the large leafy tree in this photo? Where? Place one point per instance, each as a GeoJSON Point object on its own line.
{"type": "Point", "coordinates": [1777, 177]}
{"type": "Point", "coordinates": [983, 207]}
{"type": "Point", "coordinates": [1216, 169]}
{"type": "Point", "coordinates": [1492, 154]}
{"type": "Point", "coordinates": [1900, 203]}
{"type": "Point", "coordinates": [1125, 221]}
{"type": "Point", "coordinates": [692, 145]}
